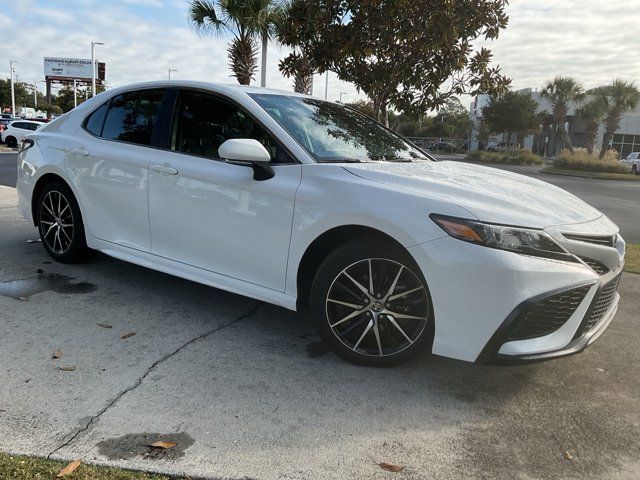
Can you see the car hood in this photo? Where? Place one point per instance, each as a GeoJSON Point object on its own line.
{"type": "Point", "coordinates": [490, 194]}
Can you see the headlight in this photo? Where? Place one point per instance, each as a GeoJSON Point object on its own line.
{"type": "Point", "coordinates": [526, 241]}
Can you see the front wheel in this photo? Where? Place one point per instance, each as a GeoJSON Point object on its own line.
{"type": "Point", "coordinates": [11, 142]}
{"type": "Point", "coordinates": [370, 303]}
{"type": "Point", "coordinates": [60, 223]}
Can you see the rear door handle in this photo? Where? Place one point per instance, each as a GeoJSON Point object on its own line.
{"type": "Point", "coordinates": [164, 169]}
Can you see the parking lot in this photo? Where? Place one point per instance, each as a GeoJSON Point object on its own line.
{"type": "Point", "coordinates": [246, 390]}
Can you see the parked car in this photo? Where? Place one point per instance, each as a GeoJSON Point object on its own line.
{"type": "Point", "coordinates": [4, 122]}
{"type": "Point", "coordinates": [315, 207]}
{"type": "Point", "coordinates": [633, 160]}
{"type": "Point", "coordinates": [500, 147]}
{"type": "Point", "coordinates": [7, 116]}
{"type": "Point", "coordinates": [17, 131]}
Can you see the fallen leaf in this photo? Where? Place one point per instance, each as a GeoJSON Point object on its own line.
{"type": "Point", "coordinates": [127, 335]}
{"type": "Point", "coordinates": [390, 467]}
{"type": "Point", "coordinates": [568, 456]}
{"type": "Point", "coordinates": [105, 325]}
{"type": "Point", "coordinates": [57, 354]}
{"type": "Point", "coordinates": [68, 469]}
{"type": "Point", "coordinates": [67, 368]}
{"type": "Point", "coordinates": [163, 445]}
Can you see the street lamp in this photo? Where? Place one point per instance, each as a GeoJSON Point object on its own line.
{"type": "Point", "coordinates": [171, 70]}
{"type": "Point", "coordinates": [342, 93]}
{"type": "Point", "coordinates": [326, 86]}
{"type": "Point", "coordinates": [93, 67]}
{"type": "Point", "coordinates": [13, 92]}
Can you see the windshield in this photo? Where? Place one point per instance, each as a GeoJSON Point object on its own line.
{"type": "Point", "coordinates": [333, 133]}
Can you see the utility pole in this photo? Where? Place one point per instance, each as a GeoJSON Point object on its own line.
{"type": "Point", "coordinates": [263, 67]}
{"type": "Point", "coordinates": [75, 93]}
{"type": "Point", "coordinates": [93, 67]}
{"type": "Point", "coordinates": [13, 92]}
{"type": "Point", "coordinates": [35, 96]}
{"type": "Point", "coordinates": [171, 70]}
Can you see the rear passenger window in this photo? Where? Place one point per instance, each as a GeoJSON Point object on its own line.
{"type": "Point", "coordinates": [132, 116]}
{"type": "Point", "coordinates": [95, 121]}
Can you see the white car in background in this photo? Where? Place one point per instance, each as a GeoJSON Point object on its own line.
{"type": "Point", "coordinates": [17, 131]}
{"type": "Point", "coordinates": [633, 160]}
{"type": "Point", "coordinates": [315, 207]}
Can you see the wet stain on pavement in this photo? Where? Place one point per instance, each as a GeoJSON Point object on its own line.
{"type": "Point", "coordinates": [135, 445]}
{"type": "Point", "coordinates": [24, 288]}
{"type": "Point", "coordinates": [317, 349]}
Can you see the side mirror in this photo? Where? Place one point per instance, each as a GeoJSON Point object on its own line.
{"type": "Point", "coordinates": [249, 152]}
{"type": "Point", "coordinates": [244, 150]}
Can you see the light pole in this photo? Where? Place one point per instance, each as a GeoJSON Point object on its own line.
{"type": "Point", "coordinates": [263, 66]}
{"type": "Point", "coordinates": [326, 86]}
{"type": "Point", "coordinates": [171, 70]}
{"type": "Point", "coordinates": [13, 92]}
{"type": "Point", "coordinates": [93, 67]}
{"type": "Point", "coordinates": [75, 93]}
{"type": "Point", "coordinates": [342, 93]}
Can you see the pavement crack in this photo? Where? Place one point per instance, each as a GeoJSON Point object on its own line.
{"type": "Point", "coordinates": [139, 381]}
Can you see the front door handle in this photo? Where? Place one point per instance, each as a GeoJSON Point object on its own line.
{"type": "Point", "coordinates": [79, 151]}
{"type": "Point", "coordinates": [164, 169]}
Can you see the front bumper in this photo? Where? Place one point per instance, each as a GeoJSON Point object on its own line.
{"type": "Point", "coordinates": [588, 330]}
{"type": "Point", "coordinates": [477, 293]}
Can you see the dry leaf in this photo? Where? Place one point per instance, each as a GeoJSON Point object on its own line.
{"type": "Point", "coordinates": [163, 445]}
{"type": "Point", "coordinates": [68, 469]}
{"type": "Point", "coordinates": [105, 325]}
{"type": "Point", "coordinates": [389, 467]}
{"type": "Point", "coordinates": [127, 335]}
{"type": "Point", "coordinates": [68, 368]}
{"type": "Point", "coordinates": [568, 456]}
{"type": "Point", "coordinates": [57, 354]}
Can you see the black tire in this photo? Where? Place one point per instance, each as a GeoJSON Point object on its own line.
{"type": "Point", "coordinates": [383, 339]}
{"type": "Point", "coordinates": [634, 170]}
{"type": "Point", "coordinates": [64, 244]}
{"type": "Point", "coordinates": [11, 142]}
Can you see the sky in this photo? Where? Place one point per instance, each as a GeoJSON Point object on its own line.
{"type": "Point", "coordinates": [591, 40]}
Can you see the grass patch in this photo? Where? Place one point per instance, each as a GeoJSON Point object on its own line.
{"type": "Point", "coordinates": [632, 258]}
{"type": "Point", "coordinates": [520, 157]}
{"type": "Point", "coordinates": [586, 174]}
{"type": "Point", "coordinates": [584, 161]}
{"type": "Point", "coordinates": [30, 468]}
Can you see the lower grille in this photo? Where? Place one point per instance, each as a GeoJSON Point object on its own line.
{"type": "Point", "coordinates": [602, 303]}
{"type": "Point", "coordinates": [548, 315]}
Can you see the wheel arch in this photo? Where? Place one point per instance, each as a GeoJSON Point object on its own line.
{"type": "Point", "coordinates": [326, 242]}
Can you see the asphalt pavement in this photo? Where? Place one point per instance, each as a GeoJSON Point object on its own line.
{"type": "Point", "coordinates": [246, 390]}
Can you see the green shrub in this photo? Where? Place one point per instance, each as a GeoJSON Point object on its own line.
{"type": "Point", "coordinates": [520, 157]}
{"type": "Point", "coordinates": [582, 160]}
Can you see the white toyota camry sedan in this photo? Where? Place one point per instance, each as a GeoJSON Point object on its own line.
{"type": "Point", "coordinates": [315, 207]}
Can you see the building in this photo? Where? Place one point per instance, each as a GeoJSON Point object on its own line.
{"type": "Point", "coordinates": [625, 140]}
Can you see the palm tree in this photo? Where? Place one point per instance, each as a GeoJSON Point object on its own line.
{"type": "Point", "coordinates": [592, 113]}
{"type": "Point", "coordinates": [560, 91]}
{"type": "Point", "coordinates": [620, 97]}
{"type": "Point", "coordinates": [295, 19]}
{"type": "Point", "coordinates": [246, 20]}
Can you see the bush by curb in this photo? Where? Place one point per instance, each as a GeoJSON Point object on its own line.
{"type": "Point", "coordinates": [625, 177]}
{"type": "Point", "coordinates": [520, 157]}
{"type": "Point", "coordinates": [581, 160]}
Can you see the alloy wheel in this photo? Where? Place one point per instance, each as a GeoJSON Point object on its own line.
{"type": "Point", "coordinates": [377, 307]}
{"type": "Point", "coordinates": [56, 222]}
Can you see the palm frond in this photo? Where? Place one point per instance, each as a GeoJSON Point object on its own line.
{"type": "Point", "coordinates": [206, 18]}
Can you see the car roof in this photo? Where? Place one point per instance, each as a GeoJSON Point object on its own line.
{"type": "Point", "coordinates": [218, 87]}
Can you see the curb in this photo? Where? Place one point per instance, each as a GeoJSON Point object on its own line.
{"type": "Point", "coordinates": [585, 175]}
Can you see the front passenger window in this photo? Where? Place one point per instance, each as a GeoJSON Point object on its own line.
{"type": "Point", "coordinates": [202, 122]}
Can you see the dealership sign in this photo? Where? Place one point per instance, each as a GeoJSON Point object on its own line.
{"type": "Point", "coordinates": [69, 68]}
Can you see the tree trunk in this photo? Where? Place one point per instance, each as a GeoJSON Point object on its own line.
{"type": "Point", "coordinates": [242, 58]}
{"type": "Point", "coordinates": [590, 132]}
{"type": "Point", "coordinates": [380, 109]}
{"type": "Point", "coordinates": [606, 140]}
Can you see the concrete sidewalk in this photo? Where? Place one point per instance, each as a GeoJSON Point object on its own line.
{"type": "Point", "coordinates": [247, 391]}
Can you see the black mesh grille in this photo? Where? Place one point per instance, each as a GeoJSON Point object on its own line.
{"type": "Point", "coordinates": [548, 315]}
{"type": "Point", "coordinates": [602, 303]}
{"type": "Point", "coordinates": [598, 267]}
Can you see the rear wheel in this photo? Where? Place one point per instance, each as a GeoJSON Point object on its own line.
{"type": "Point", "coordinates": [11, 142]}
{"type": "Point", "coordinates": [60, 223]}
{"type": "Point", "coordinates": [370, 303]}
